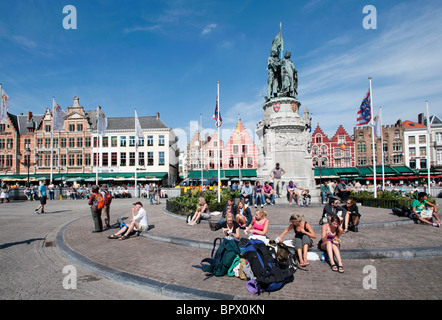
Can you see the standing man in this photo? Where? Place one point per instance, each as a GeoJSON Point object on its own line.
{"type": "Point", "coordinates": [276, 175]}
{"type": "Point", "coordinates": [94, 201]}
{"type": "Point", "coordinates": [106, 209]}
{"type": "Point", "coordinates": [43, 197]}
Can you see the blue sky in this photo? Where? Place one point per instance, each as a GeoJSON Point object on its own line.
{"type": "Point", "coordinates": [167, 56]}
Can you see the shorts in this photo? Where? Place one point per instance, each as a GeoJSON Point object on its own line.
{"type": "Point", "coordinates": [141, 228]}
{"type": "Point", "coordinates": [298, 243]}
{"type": "Point", "coordinates": [43, 200]}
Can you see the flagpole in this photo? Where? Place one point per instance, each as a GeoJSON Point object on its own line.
{"type": "Point", "coordinates": [136, 153]}
{"type": "Point", "coordinates": [372, 139]}
{"type": "Point", "coordinates": [382, 151]}
{"type": "Point", "coordinates": [219, 141]}
{"type": "Point", "coordinates": [239, 149]}
{"type": "Point", "coordinates": [201, 151]}
{"type": "Point", "coordinates": [52, 139]}
{"type": "Point", "coordinates": [428, 148]}
{"type": "Point", "coordinates": [96, 158]}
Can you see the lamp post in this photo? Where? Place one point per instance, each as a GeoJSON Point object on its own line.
{"type": "Point", "coordinates": [28, 163]}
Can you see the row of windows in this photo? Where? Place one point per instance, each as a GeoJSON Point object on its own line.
{"type": "Point", "coordinates": [108, 159]}
{"type": "Point", "coordinates": [397, 146]}
{"type": "Point", "coordinates": [80, 142]}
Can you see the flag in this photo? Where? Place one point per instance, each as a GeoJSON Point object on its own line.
{"type": "Point", "coordinates": [3, 106]}
{"type": "Point", "coordinates": [138, 130]}
{"type": "Point", "coordinates": [57, 116]}
{"type": "Point", "coordinates": [101, 123]}
{"type": "Point", "coordinates": [217, 115]}
{"type": "Point", "coordinates": [364, 113]}
{"type": "Point", "coordinates": [378, 124]}
{"type": "Point", "coordinates": [278, 42]}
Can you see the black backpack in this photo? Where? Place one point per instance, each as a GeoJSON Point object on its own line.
{"type": "Point", "coordinates": [269, 276]}
{"type": "Point", "coordinates": [401, 211]}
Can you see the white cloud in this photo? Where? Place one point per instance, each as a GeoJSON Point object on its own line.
{"type": "Point", "coordinates": [208, 29]}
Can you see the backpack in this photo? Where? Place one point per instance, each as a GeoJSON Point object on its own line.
{"type": "Point", "coordinates": [107, 198]}
{"type": "Point", "coordinates": [219, 263]}
{"type": "Point", "coordinates": [401, 210]}
{"type": "Point", "coordinates": [269, 276]}
{"type": "Point", "coordinates": [98, 201]}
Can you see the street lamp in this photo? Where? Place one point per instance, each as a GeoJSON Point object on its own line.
{"type": "Point", "coordinates": [28, 163]}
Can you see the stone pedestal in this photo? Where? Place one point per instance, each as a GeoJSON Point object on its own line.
{"type": "Point", "coordinates": [284, 138]}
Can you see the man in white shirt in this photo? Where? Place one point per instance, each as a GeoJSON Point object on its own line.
{"type": "Point", "coordinates": [137, 223]}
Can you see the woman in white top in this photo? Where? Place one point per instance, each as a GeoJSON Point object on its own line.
{"type": "Point", "coordinates": [137, 223]}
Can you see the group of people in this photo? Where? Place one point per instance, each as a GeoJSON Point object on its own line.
{"type": "Point", "coordinates": [265, 194]}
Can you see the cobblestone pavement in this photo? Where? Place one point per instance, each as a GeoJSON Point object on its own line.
{"type": "Point", "coordinates": [30, 270]}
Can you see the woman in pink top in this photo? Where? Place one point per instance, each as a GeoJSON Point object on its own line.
{"type": "Point", "coordinates": [260, 223]}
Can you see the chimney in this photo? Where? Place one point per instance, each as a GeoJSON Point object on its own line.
{"type": "Point", "coordinates": [421, 118]}
{"type": "Point", "coordinates": [158, 115]}
{"type": "Point", "coordinates": [29, 116]}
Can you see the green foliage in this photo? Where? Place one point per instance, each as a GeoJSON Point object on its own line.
{"type": "Point", "coordinates": [188, 202]}
{"type": "Point", "coordinates": [386, 199]}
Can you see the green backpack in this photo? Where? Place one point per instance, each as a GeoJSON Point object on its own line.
{"type": "Point", "coordinates": [219, 263]}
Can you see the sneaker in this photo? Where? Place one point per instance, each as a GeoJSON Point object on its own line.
{"type": "Point", "coordinates": [436, 225]}
{"type": "Point", "coordinates": [262, 206]}
{"type": "Point", "coordinates": [256, 206]}
{"type": "Point", "coordinates": [36, 211]}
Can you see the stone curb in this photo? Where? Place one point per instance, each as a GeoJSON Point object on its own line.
{"type": "Point", "coordinates": [142, 283]}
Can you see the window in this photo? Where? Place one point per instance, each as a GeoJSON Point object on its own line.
{"type": "Point", "coordinates": [140, 142]}
{"type": "Point", "coordinates": [80, 142]}
{"type": "Point", "coordinates": [361, 136]}
{"type": "Point", "coordinates": [105, 159]}
{"type": "Point", "coordinates": [123, 159]}
{"type": "Point", "coordinates": [55, 142]}
{"type": "Point", "coordinates": [131, 159]}
{"type": "Point", "coordinates": [362, 161]}
{"type": "Point", "coordinates": [105, 142]}
{"type": "Point", "coordinates": [122, 141]}
{"type": "Point", "coordinates": [362, 148]}
{"type": "Point", "coordinates": [80, 127]}
{"type": "Point", "coordinates": [423, 163]}
{"type": "Point", "coordinates": [318, 138]}
{"type": "Point", "coordinates": [48, 128]}
{"type": "Point", "coordinates": [131, 141]}
{"type": "Point", "coordinates": [71, 142]}
{"type": "Point", "coordinates": [8, 160]}
{"type": "Point", "coordinates": [412, 152]}
{"type": "Point", "coordinates": [96, 159]}
{"type": "Point", "coordinates": [114, 159]}
{"type": "Point", "coordinates": [341, 139]}
{"type": "Point", "coordinates": [96, 142]}
{"type": "Point", "coordinates": [72, 160]}
{"type": "Point", "coordinates": [27, 143]}
{"type": "Point", "coordinates": [397, 146]}
{"type": "Point", "coordinates": [141, 158]}
{"type": "Point", "coordinates": [55, 160]}
{"type": "Point", "coordinates": [114, 141]}
{"type": "Point", "coordinates": [315, 150]}
{"type": "Point", "coordinates": [63, 142]}
{"type": "Point", "coordinates": [63, 160]}
{"type": "Point", "coordinates": [161, 158]}
{"type": "Point", "coordinates": [397, 159]}
{"type": "Point", "coordinates": [231, 162]}
{"type": "Point", "coordinates": [150, 141]}
{"type": "Point", "coordinates": [235, 149]}
{"type": "Point", "coordinates": [244, 149]}
{"type": "Point", "coordinates": [396, 134]}
{"type": "Point", "coordinates": [422, 139]}
{"type": "Point", "coordinates": [423, 151]}
{"type": "Point", "coordinates": [72, 127]}
{"type": "Point", "coordinates": [161, 140]}
{"type": "Point", "coordinates": [47, 161]}
{"type": "Point", "coordinates": [150, 158]}
{"type": "Point", "coordinates": [2, 143]}
{"type": "Point", "coordinates": [411, 140]}
{"type": "Point", "coordinates": [10, 143]}
{"type": "Point", "coordinates": [80, 160]}
{"type": "Point", "coordinates": [413, 164]}
{"type": "Point", "coordinates": [47, 142]}
{"type": "Point", "coordinates": [87, 142]}
{"type": "Point", "coordinates": [439, 156]}
{"type": "Point", "coordinates": [87, 159]}
{"type": "Point", "coordinates": [324, 150]}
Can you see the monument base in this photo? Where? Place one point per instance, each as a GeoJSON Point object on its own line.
{"type": "Point", "coordinates": [285, 138]}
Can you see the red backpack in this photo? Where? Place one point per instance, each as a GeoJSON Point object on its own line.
{"type": "Point", "coordinates": [98, 201]}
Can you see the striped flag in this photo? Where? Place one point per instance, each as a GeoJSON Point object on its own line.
{"type": "Point", "coordinates": [364, 112]}
{"type": "Point", "coordinates": [138, 130]}
{"type": "Point", "coordinates": [217, 114]}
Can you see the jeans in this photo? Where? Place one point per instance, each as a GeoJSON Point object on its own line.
{"type": "Point", "coordinates": [325, 197]}
{"type": "Point", "coordinates": [259, 199]}
{"type": "Point", "coordinates": [272, 198]}
{"type": "Point", "coordinates": [249, 196]}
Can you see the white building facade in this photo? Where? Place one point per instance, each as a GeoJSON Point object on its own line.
{"type": "Point", "coordinates": [119, 154]}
